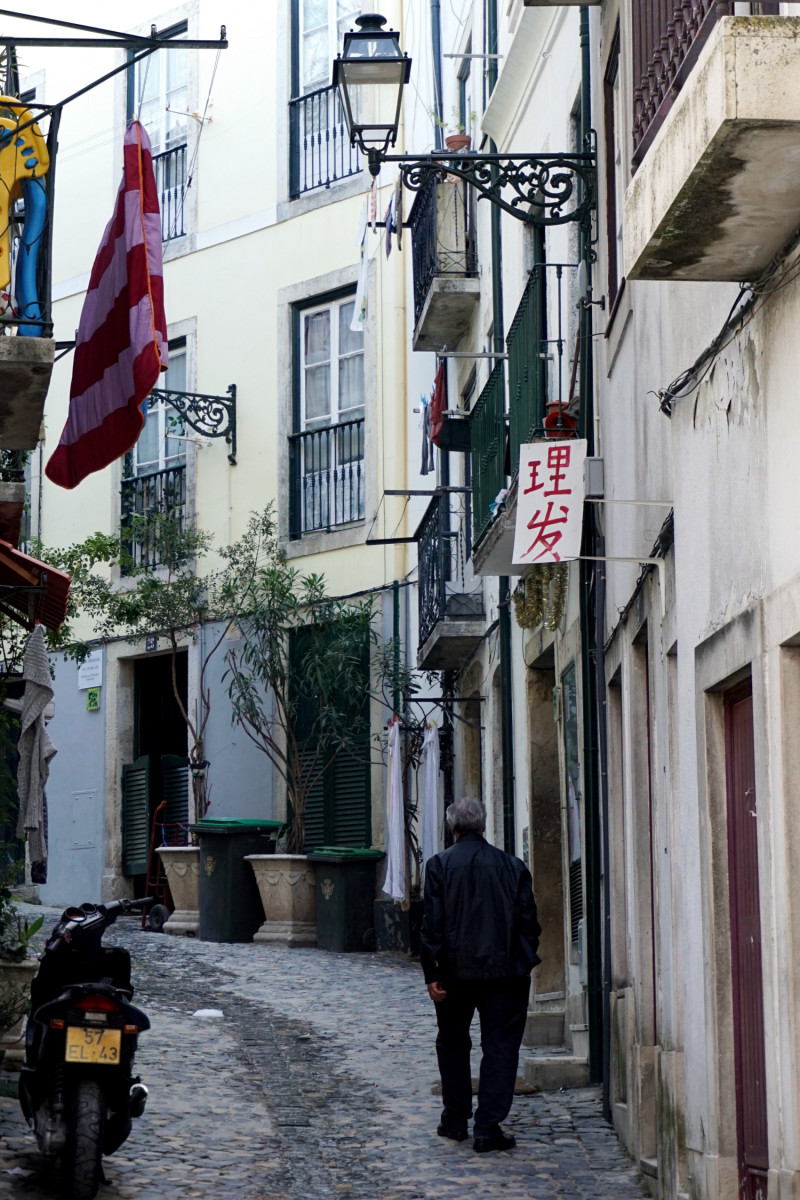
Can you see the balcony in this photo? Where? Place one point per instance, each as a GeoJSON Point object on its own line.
{"type": "Point", "coordinates": [444, 253]}
{"type": "Point", "coordinates": [12, 495]}
{"type": "Point", "coordinates": [170, 172]}
{"type": "Point", "coordinates": [717, 134]}
{"type": "Point", "coordinates": [320, 150]}
{"type": "Point", "coordinates": [326, 478]}
{"type": "Point", "coordinates": [144, 496]}
{"type": "Point", "coordinates": [450, 618]}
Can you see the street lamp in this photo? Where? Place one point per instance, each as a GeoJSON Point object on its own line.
{"type": "Point", "coordinates": [370, 74]}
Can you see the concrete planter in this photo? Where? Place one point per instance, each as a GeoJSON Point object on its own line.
{"type": "Point", "coordinates": [182, 869]}
{"type": "Point", "coordinates": [15, 980]}
{"type": "Point", "coordinates": [287, 886]}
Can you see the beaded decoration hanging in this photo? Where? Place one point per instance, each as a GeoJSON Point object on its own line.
{"type": "Point", "coordinates": [540, 598]}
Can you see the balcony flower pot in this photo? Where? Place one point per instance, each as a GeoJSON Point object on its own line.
{"type": "Point", "coordinates": [15, 984]}
{"type": "Point", "coordinates": [182, 869]}
{"type": "Point", "coordinates": [288, 890]}
{"type": "Point", "coordinates": [459, 142]}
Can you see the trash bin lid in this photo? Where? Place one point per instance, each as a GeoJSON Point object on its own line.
{"type": "Point", "coordinates": [346, 852]}
{"type": "Point", "coordinates": [235, 825]}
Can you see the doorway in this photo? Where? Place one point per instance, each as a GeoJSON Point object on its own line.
{"type": "Point", "coordinates": [745, 916]}
{"type": "Point", "coordinates": [159, 770]}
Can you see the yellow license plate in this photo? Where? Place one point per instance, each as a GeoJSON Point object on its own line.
{"type": "Point", "coordinates": [93, 1046]}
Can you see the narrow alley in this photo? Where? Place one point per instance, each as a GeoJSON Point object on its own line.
{"type": "Point", "coordinates": [319, 1080]}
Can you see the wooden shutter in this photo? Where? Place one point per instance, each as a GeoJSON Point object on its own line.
{"type": "Point", "coordinates": [136, 816]}
{"type": "Point", "coordinates": [315, 810]}
{"type": "Point", "coordinates": [350, 801]}
{"type": "Point", "coordinates": [175, 790]}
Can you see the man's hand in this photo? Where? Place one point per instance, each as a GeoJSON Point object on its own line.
{"type": "Point", "coordinates": [436, 992]}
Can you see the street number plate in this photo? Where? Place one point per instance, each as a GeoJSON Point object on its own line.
{"type": "Point", "coordinates": [93, 1046]}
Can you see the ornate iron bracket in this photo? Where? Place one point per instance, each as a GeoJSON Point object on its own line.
{"type": "Point", "coordinates": [211, 416]}
{"type": "Point", "coordinates": [549, 189]}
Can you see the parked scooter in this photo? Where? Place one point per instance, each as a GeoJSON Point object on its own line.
{"type": "Point", "coordinates": [76, 1086]}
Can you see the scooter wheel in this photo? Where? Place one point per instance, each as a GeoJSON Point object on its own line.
{"type": "Point", "coordinates": [82, 1159]}
{"type": "Point", "coordinates": [158, 915]}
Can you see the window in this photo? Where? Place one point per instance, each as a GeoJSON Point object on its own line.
{"type": "Point", "coordinates": [328, 447]}
{"type": "Point", "coordinates": [323, 24]}
{"type": "Point", "coordinates": [320, 149]}
{"type": "Point", "coordinates": [155, 469]}
{"type": "Point", "coordinates": [158, 95]}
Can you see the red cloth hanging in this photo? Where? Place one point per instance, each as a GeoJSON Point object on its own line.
{"type": "Point", "coordinates": [438, 403]}
{"type": "Point", "coordinates": [122, 338]}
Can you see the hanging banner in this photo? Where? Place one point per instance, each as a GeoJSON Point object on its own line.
{"type": "Point", "coordinates": [549, 502]}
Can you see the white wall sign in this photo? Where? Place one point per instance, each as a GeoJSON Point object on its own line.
{"type": "Point", "coordinates": [90, 672]}
{"type": "Point", "coordinates": [549, 502]}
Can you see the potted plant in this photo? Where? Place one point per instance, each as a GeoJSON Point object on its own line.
{"type": "Point", "coordinates": [299, 688]}
{"type": "Point", "coordinates": [18, 965]}
{"type": "Point", "coordinates": [457, 135]}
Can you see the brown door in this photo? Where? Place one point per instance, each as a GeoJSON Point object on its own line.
{"type": "Point", "coordinates": [748, 998]}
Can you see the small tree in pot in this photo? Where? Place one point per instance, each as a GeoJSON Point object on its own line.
{"type": "Point", "coordinates": [299, 680]}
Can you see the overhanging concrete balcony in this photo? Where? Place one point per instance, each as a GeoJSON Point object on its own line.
{"type": "Point", "coordinates": [717, 192]}
{"type": "Point", "coordinates": [446, 286]}
{"type": "Point", "coordinates": [26, 364]}
{"type": "Point", "coordinates": [451, 618]}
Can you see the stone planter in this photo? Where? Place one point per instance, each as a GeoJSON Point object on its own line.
{"type": "Point", "coordinates": [15, 980]}
{"type": "Point", "coordinates": [182, 869]}
{"type": "Point", "coordinates": [287, 886]}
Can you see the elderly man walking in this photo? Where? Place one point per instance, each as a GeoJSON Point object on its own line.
{"type": "Point", "coordinates": [479, 941]}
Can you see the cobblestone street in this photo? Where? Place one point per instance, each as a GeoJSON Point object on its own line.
{"type": "Point", "coordinates": [319, 1081]}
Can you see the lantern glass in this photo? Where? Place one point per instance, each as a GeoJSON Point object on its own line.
{"type": "Point", "coordinates": [370, 74]}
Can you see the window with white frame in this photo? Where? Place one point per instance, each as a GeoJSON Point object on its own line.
{"type": "Point", "coordinates": [323, 24]}
{"type": "Point", "coordinates": [159, 98]}
{"type": "Point", "coordinates": [155, 469]}
{"type": "Point", "coordinates": [328, 446]}
{"type": "Point", "coordinates": [320, 148]}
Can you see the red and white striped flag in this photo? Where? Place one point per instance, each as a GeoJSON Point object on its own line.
{"type": "Point", "coordinates": [122, 337]}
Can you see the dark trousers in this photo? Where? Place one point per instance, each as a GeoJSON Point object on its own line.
{"type": "Point", "coordinates": [502, 1006]}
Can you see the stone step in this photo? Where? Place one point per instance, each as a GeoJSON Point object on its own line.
{"type": "Point", "coordinates": [550, 1072]}
{"type": "Point", "coordinates": [544, 1028]}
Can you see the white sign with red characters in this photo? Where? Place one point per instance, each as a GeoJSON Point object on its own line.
{"type": "Point", "coordinates": [549, 502]}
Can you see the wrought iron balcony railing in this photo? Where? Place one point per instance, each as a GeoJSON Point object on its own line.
{"type": "Point", "coordinates": [326, 477]}
{"type": "Point", "coordinates": [163, 492]}
{"type": "Point", "coordinates": [442, 554]}
{"type": "Point", "coordinates": [170, 173]}
{"type": "Point", "coordinates": [320, 150]}
{"type": "Point", "coordinates": [488, 454]}
{"type": "Point", "coordinates": [527, 364]}
{"type": "Point", "coordinates": [442, 243]}
{"type": "Point", "coordinates": [667, 38]}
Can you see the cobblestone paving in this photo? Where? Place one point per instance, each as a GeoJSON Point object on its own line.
{"type": "Point", "coordinates": [319, 1082]}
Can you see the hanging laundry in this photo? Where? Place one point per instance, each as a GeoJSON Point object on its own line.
{"type": "Point", "coordinates": [394, 884]}
{"type": "Point", "coordinates": [398, 211]}
{"type": "Point", "coordinates": [427, 448]}
{"type": "Point", "coordinates": [431, 820]}
{"type": "Point", "coordinates": [438, 403]}
{"type": "Point", "coordinates": [388, 228]}
{"type": "Point", "coordinates": [359, 320]}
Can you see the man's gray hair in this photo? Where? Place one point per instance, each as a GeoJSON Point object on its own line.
{"type": "Point", "coordinates": [466, 815]}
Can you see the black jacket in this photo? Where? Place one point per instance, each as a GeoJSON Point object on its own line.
{"type": "Point", "coordinates": [480, 915]}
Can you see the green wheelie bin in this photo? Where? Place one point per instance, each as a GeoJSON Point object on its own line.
{"type": "Point", "coordinates": [230, 904]}
{"type": "Point", "coordinates": [345, 895]}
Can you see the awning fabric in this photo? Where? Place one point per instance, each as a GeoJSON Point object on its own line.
{"type": "Point", "coordinates": [30, 590]}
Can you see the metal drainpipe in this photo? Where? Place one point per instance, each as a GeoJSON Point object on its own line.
{"type": "Point", "coordinates": [436, 41]}
{"type": "Point", "coordinates": [589, 641]}
{"type": "Point", "coordinates": [396, 696]}
{"type": "Point", "coordinates": [504, 613]}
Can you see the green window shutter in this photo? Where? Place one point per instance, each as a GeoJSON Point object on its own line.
{"type": "Point", "coordinates": [315, 810]}
{"type": "Point", "coordinates": [175, 790]}
{"type": "Point", "coordinates": [136, 816]}
{"type": "Point", "coordinates": [351, 801]}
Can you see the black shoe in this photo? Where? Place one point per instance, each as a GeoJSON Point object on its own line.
{"type": "Point", "coordinates": [455, 1135]}
{"type": "Point", "coordinates": [495, 1141]}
